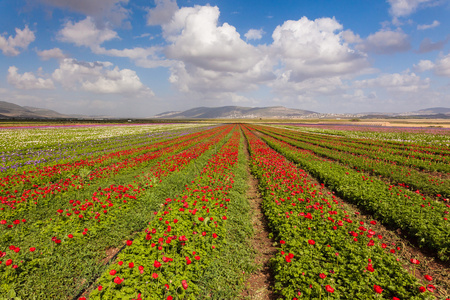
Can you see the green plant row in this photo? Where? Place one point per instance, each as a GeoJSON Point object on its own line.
{"type": "Point", "coordinates": [69, 252]}
{"type": "Point", "coordinates": [196, 245]}
{"type": "Point", "coordinates": [34, 202]}
{"type": "Point", "coordinates": [424, 222]}
{"type": "Point", "coordinates": [402, 175]}
{"type": "Point", "coordinates": [324, 252]}
{"type": "Point", "coordinates": [404, 158]}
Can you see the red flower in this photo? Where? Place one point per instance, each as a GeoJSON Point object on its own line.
{"type": "Point", "coordinates": [129, 243]}
{"type": "Point", "coordinates": [8, 262]}
{"type": "Point", "coordinates": [131, 265]}
{"type": "Point", "coordinates": [422, 289]}
{"type": "Point", "coordinates": [112, 272]}
{"type": "Point", "coordinates": [377, 289]}
{"type": "Point", "coordinates": [214, 235]}
{"type": "Point", "coordinates": [32, 249]}
{"type": "Point", "coordinates": [117, 280]}
{"type": "Point", "coordinates": [431, 287]}
{"type": "Point", "coordinates": [157, 264]}
{"type": "Point", "coordinates": [154, 275]}
{"type": "Point", "coordinates": [99, 287]}
{"type": "Point", "coordinates": [322, 275]}
{"type": "Point", "coordinates": [311, 242]}
{"type": "Point", "coordinates": [329, 289]}
{"type": "Point", "coordinates": [282, 242]}
{"type": "Point", "coordinates": [414, 261]}
{"type": "Point", "coordinates": [184, 284]}
{"type": "Point", "coordinates": [70, 236]}
{"type": "Point", "coordinates": [428, 277]}
{"type": "Point", "coordinates": [371, 243]}
{"type": "Point", "coordinates": [169, 298]}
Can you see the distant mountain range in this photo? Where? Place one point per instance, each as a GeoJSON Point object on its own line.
{"type": "Point", "coordinates": [13, 111]}
{"type": "Point", "coordinates": [235, 112]}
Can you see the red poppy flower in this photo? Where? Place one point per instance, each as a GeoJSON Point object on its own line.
{"type": "Point", "coordinates": [311, 242]}
{"type": "Point", "coordinates": [184, 284]}
{"type": "Point", "coordinates": [32, 249]}
{"type": "Point", "coordinates": [414, 261]}
{"type": "Point", "coordinates": [112, 272]}
{"type": "Point", "coordinates": [154, 275]}
{"type": "Point", "coordinates": [117, 280]}
{"type": "Point", "coordinates": [131, 265]}
{"type": "Point", "coordinates": [129, 243]}
{"type": "Point", "coordinates": [322, 275]}
{"type": "Point", "coordinates": [70, 235]}
{"type": "Point", "coordinates": [377, 289]}
{"type": "Point", "coordinates": [214, 235]}
{"type": "Point", "coordinates": [422, 289]}
{"type": "Point", "coordinates": [428, 277]}
{"type": "Point", "coordinates": [329, 289]}
{"type": "Point", "coordinates": [157, 264]}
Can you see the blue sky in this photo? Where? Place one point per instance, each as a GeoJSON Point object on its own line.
{"type": "Point", "coordinates": [130, 58]}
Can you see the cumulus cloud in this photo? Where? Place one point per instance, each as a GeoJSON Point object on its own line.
{"type": "Point", "coordinates": [428, 26]}
{"type": "Point", "coordinates": [51, 53]}
{"type": "Point", "coordinates": [28, 81]}
{"type": "Point", "coordinates": [386, 42]}
{"type": "Point", "coordinates": [150, 57]}
{"type": "Point", "coordinates": [427, 45]}
{"type": "Point", "coordinates": [442, 66]}
{"type": "Point", "coordinates": [406, 82]}
{"type": "Point", "coordinates": [315, 49]}
{"type": "Point", "coordinates": [86, 33]}
{"type": "Point", "coordinates": [111, 10]}
{"type": "Point", "coordinates": [10, 46]}
{"type": "Point", "coordinates": [402, 8]}
{"type": "Point", "coordinates": [211, 57]}
{"type": "Point", "coordinates": [99, 77]}
{"type": "Point", "coordinates": [424, 65]}
{"type": "Point", "coordinates": [162, 13]}
{"type": "Point", "coordinates": [254, 34]}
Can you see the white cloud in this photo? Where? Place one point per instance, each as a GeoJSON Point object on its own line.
{"type": "Point", "coordinates": [212, 58]}
{"type": "Point", "coordinates": [424, 65]}
{"type": "Point", "coordinates": [98, 77]}
{"type": "Point", "coordinates": [111, 10]}
{"type": "Point", "coordinates": [28, 81]}
{"type": "Point", "coordinates": [51, 53]}
{"type": "Point", "coordinates": [386, 42]}
{"type": "Point", "coordinates": [254, 34]}
{"type": "Point", "coordinates": [442, 66]}
{"type": "Point", "coordinates": [162, 13]}
{"type": "Point", "coordinates": [427, 45]}
{"type": "Point", "coordinates": [22, 39]}
{"type": "Point", "coordinates": [428, 26]}
{"type": "Point", "coordinates": [150, 57]}
{"type": "Point", "coordinates": [85, 33]}
{"type": "Point", "coordinates": [315, 49]}
{"type": "Point", "coordinates": [406, 82]}
{"type": "Point", "coordinates": [402, 8]}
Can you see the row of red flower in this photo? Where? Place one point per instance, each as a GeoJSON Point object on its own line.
{"type": "Point", "coordinates": [182, 240]}
{"type": "Point", "coordinates": [323, 248]}
{"type": "Point", "coordinates": [85, 218]}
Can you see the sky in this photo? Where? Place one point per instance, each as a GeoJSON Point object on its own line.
{"type": "Point", "coordinates": [127, 58]}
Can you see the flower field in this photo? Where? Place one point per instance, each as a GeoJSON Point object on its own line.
{"type": "Point", "coordinates": [160, 212]}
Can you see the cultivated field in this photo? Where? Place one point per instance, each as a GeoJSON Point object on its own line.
{"type": "Point", "coordinates": [162, 211]}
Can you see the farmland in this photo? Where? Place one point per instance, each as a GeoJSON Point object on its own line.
{"type": "Point", "coordinates": [160, 211]}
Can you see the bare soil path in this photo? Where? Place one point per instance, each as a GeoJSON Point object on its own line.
{"type": "Point", "coordinates": [259, 284]}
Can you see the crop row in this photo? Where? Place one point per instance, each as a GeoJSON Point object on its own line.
{"type": "Point", "coordinates": [81, 229]}
{"type": "Point", "coordinates": [323, 251]}
{"type": "Point", "coordinates": [411, 177]}
{"type": "Point", "coordinates": [435, 162]}
{"type": "Point", "coordinates": [29, 158]}
{"type": "Point", "coordinates": [189, 241]}
{"type": "Point", "coordinates": [423, 220]}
